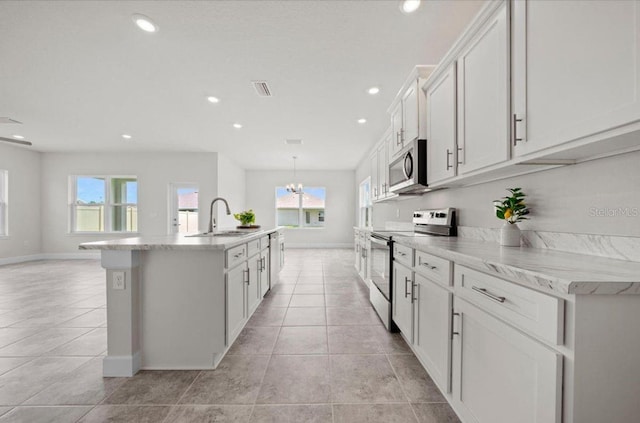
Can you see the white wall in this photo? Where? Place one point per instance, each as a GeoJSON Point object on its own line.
{"type": "Point", "coordinates": [565, 199]}
{"type": "Point", "coordinates": [155, 171]}
{"type": "Point", "coordinates": [24, 201]}
{"type": "Point", "coordinates": [340, 204]}
{"type": "Point", "coordinates": [232, 187]}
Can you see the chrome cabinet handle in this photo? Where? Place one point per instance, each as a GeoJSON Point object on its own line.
{"type": "Point", "coordinates": [515, 130]}
{"type": "Point", "coordinates": [413, 292]}
{"type": "Point", "coordinates": [459, 155]}
{"type": "Point", "coordinates": [406, 281]}
{"type": "Point", "coordinates": [263, 261]}
{"type": "Point", "coordinates": [453, 332]}
{"type": "Point", "coordinates": [449, 153]}
{"type": "Point", "coordinates": [400, 253]}
{"type": "Point", "coordinates": [486, 293]}
{"type": "Point", "coordinates": [248, 279]}
{"type": "Point", "coordinates": [398, 141]}
{"type": "Point", "coordinates": [425, 264]}
{"type": "Point", "coordinates": [401, 135]}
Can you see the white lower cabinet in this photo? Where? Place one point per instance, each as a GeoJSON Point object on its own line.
{"type": "Point", "coordinates": [253, 283]}
{"type": "Point", "coordinates": [235, 304]}
{"type": "Point", "coordinates": [501, 375]}
{"type": "Point", "coordinates": [432, 329]}
{"type": "Point", "coordinates": [402, 307]}
{"type": "Point", "coordinates": [265, 272]}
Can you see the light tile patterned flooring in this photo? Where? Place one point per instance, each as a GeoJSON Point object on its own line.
{"type": "Point", "coordinates": [314, 351]}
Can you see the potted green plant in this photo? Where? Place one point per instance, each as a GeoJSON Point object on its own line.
{"type": "Point", "coordinates": [512, 209]}
{"type": "Point", "coordinates": [247, 219]}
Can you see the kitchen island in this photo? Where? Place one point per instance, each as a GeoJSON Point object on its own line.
{"type": "Point", "coordinates": [178, 302]}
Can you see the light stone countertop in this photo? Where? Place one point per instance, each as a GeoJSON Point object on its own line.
{"type": "Point", "coordinates": [553, 271]}
{"type": "Point", "coordinates": [176, 242]}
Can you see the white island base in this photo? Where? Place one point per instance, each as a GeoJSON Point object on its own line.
{"type": "Point", "coordinates": [181, 308]}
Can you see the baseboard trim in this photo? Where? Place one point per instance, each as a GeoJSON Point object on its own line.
{"type": "Point", "coordinates": [21, 259]}
{"type": "Point", "coordinates": [89, 255]}
{"type": "Point", "coordinates": [318, 245]}
{"type": "Point", "coordinates": [121, 365]}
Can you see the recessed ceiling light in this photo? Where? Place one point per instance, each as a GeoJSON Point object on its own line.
{"type": "Point", "coordinates": [144, 23]}
{"type": "Point", "coordinates": [373, 90]}
{"type": "Point", "coordinates": [237, 125]}
{"type": "Point", "coordinates": [409, 6]}
{"type": "Point", "coordinates": [126, 136]}
{"type": "Point", "coordinates": [213, 99]}
{"type": "Point", "coordinates": [363, 120]}
{"type": "Point", "coordinates": [18, 137]}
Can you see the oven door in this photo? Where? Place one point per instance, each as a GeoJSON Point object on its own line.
{"type": "Point", "coordinates": [381, 265]}
{"type": "Point", "coordinates": [401, 171]}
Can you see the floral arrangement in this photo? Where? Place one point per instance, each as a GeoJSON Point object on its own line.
{"type": "Point", "coordinates": [512, 208]}
{"type": "Point", "coordinates": [246, 218]}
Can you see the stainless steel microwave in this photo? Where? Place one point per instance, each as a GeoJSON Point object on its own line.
{"type": "Point", "coordinates": [408, 172]}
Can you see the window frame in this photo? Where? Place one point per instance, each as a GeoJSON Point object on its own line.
{"type": "Point", "coordinates": [301, 211]}
{"type": "Point", "coordinates": [107, 220]}
{"type": "Point", "coordinates": [4, 203]}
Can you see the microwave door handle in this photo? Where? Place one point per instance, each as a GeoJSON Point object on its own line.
{"type": "Point", "coordinates": [404, 168]}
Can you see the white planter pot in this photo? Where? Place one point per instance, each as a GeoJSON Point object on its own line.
{"type": "Point", "coordinates": [510, 235]}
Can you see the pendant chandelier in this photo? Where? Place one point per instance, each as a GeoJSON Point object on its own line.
{"type": "Point", "coordinates": [292, 188]}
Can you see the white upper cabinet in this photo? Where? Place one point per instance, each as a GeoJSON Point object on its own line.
{"type": "Point", "coordinates": [408, 111]}
{"type": "Point", "coordinates": [576, 74]}
{"type": "Point", "coordinates": [441, 126]}
{"type": "Point", "coordinates": [375, 185]}
{"type": "Point", "coordinates": [410, 117]}
{"type": "Point", "coordinates": [483, 95]}
{"type": "Point", "coordinates": [396, 128]}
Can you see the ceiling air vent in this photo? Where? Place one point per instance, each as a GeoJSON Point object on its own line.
{"type": "Point", "coordinates": [293, 142]}
{"type": "Point", "coordinates": [262, 88]}
{"type": "Point", "coordinates": [8, 120]}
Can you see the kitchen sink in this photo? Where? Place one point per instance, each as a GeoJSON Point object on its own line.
{"type": "Point", "coordinates": [219, 233]}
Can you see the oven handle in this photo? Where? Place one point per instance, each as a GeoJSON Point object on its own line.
{"type": "Point", "coordinates": [378, 240]}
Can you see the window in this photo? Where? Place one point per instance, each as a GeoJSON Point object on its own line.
{"type": "Point", "coordinates": [301, 210]}
{"type": "Point", "coordinates": [365, 208]}
{"type": "Point", "coordinates": [4, 200]}
{"type": "Point", "coordinates": [104, 203]}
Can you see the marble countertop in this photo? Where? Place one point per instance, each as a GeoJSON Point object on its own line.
{"type": "Point", "coordinates": [554, 271]}
{"type": "Point", "coordinates": [176, 242]}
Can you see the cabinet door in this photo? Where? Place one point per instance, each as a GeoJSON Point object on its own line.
{"type": "Point", "coordinates": [265, 273]}
{"type": "Point", "coordinates": [576, 70]}
{"type": "Point", "coordinates": [441, 127]}
{"type": "Point", "coordinates": [402, 307]}
{"type": "Point", "coordinates": [432, 329]}
{"type": "Point", "coordinates": [396, 129]}
{"type": "Point", "coordinates": [356, 251]}
{"type": "Point", "coordinates": [253, 285]}
{"type": "Point", "coordinates": [373, 161]}
{"type": "Point", "coordinates": [501, 375]}
{"type": "Point", "coordinates": [383, 169]}
{"type": "Point", "coordinates": [235, 301]}
{"type": "Point", "coordinates": [483, 101]}
{"type": "Point", "coordinates": [410, 116]}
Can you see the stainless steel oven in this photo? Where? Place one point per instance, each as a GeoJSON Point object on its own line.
{"type": "Point", "coordinates": [380, 290]}
{"type": "Point", "coordinates": [440, 222]}
{"type": "Point", "coordinates": [408, 172]}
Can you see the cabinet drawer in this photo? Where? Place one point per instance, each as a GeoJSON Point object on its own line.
{"type": "Point", "coordinates": [435, 268]}
{"type": "Point", "coordinates": [403, 254]}
{"type": "Point", "coordinates": [253, 247]}
{"type": "Point", "coordinates": [264, 242]}
{"type": "Point", "coordinates": [535, 313]}
{"type": "Point", "coordinates": [236, 255]}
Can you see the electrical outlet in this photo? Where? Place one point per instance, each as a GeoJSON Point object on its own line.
{"type": "Point", "coordinates": [118, 280]}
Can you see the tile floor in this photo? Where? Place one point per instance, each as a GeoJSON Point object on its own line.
{"type": "Point", "coordinates": [314, 351]}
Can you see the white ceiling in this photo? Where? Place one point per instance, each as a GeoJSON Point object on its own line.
{"type": "Point", "coordinates": [81, 74]}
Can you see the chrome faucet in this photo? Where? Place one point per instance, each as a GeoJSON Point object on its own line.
{"type": "Point", "coordinates": [212, 220]}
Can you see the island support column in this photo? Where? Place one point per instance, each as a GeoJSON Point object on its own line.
{"type": "Point", "coordinates": [123, 314]}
